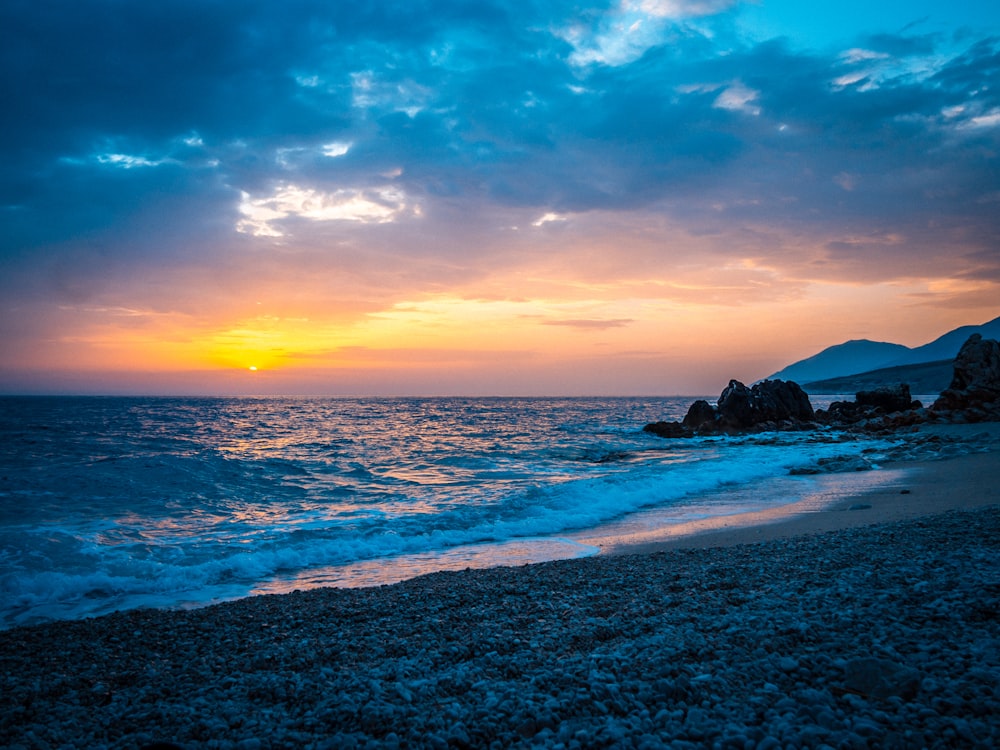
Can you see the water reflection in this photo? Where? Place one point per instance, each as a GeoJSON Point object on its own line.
{"type": "Point", "coordinates": [403, 567]}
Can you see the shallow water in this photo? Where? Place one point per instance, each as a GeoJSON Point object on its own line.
{"type": "Point", "coordinates": [113, 503]}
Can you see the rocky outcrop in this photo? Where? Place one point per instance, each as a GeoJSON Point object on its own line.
{"type": "Point", "coordinates": [889, 398]}
{"type": "Point", "coordinates": [699, 414]}
{"type": "Point", "coordinates": [869, 405]}
{"type": "Point", "coordinates": [974, 393]}
{"type": "Point", "coordinates": [767, 402]}
{"type": "Point", "coordinates": [780, 400]}
{"type": "Point", "coordinates": [974, 396]}
{"type": "Point", "coordinates": [768, 405]}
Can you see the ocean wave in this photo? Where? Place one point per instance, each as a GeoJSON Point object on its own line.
{"type": "Point", "coordinates": [210, 498]}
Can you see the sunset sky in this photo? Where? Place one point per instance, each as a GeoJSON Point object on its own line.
{"type": "Point", "coordinates": [435, 197]}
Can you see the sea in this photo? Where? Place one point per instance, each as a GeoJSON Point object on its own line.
{"type": "Point", "coordinates": [111, 503]}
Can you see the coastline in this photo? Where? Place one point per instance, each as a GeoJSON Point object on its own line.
{"type": "Point", "coordinates": [881, 631]}
{"type": "Point", "coordinates": [882, 635]}
{"type": "Point", "coordinates": [906, 489]}
{"type": "Point", "coordinates": [916, 489]}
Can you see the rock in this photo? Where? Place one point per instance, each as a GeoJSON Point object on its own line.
{"type": "Point", "coordinates": [973, 396]}
{"type": "Point", "coordinates": [788, 664]}
{"type": "Point", "coordinates": [881, 679]}
{"type": "Point", "coordinates": [833, 465]}
{"type": "Point", "coordinates": [767, 401]}
{"type": "Point", "coordinates": [668, 430]}
{"type": "Point", "coordinates": [890, 398]}
{"type": "Point", "coordinates": [768, 405]}
{"type": "Point", "coordinates": [977, 365]}
{"type": "Point", "coordinates": [736, 406]}
{"type": "Point", "coordinates": [527, 728]}
{"type": "Point", "coordinates": [886, 408]}
{"type": "Point", "coordinates": [780, 400]}
{"type": "Point", "coordinates": [844, 464]}
{"type": "Point", "coordinates": [975, 385]}
{"type": "Point", "coordinates": [700, 413]}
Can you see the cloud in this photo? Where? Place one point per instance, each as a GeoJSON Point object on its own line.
{"type": "Point", "coordinates": [336, 148]}
{"type": "Point", "coordinates": [680, 8]}
{"type": "Point", "coordinates": [548, 218]}
{"type": "Point", "coordinates": [191, 158]}
{"type": "Point", "coordinates": [738, 98]}
{"type": "Point", "coordinates": [589, 324]}
{"type": "Point", "coordinates": [262, 215]}
{"type": "Point", "coordinates": [625, 32]}
{"type": "Point", "coordinates": [857, 55]}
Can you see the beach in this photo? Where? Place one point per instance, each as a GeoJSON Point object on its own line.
{"type": "Point", "coordinates": [872, 627]}
{"type": "Point", "coordinates": [919, 488]}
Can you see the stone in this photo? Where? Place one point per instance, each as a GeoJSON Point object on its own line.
{"type": "Point", "coordinates": [736, 406]}
{"type": "Point", "coordinates": [881, 679]}
{"type": "Point", "coordinates": [668, 430]}
{"type": "Point", "coordinates": [699, 413]}
{"type": "Point", "coordinates": [844, 464]}
{"type": "Point", "coordinates": [889, 398]}
{"type": "Point", "coordinates": [780, 400]}
{"type": "Point", "coordinates": [769, 401]}
{"type": "Point", "coordinates": [975, 384]}
{"type": "Point", "coordinates": [768, 405]}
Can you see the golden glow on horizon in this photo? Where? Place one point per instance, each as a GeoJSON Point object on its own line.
{"type": "Point", "coordinates": [564, 329]}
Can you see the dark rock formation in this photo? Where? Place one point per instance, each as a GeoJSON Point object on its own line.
{"type": "Point", "coordinates": [889, 398]}
{"type": "Point", "coordinates": [974, 396]}
{"type": "Point", "coordinates": [736, 406]}
{"type": "Point", "coordinates": [700, 413]}
{"type": "Point", "coordinates": [669, 429]}
{"type": "Point", "coordinates": [974, 393]}
{"type": "Point", "coordinates": [770, 401]}
{"type": "Point", "coordinates": [768, 405]}
{"type": "Point", "coordinates": [834, 465]}
{"type": "Point", "coordinates": [778, 400]}
{"type": "Point", "coordinates": [869, 405]}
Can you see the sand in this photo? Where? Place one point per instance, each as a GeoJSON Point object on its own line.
{"type": "Point", "coordinates": [918, 489]}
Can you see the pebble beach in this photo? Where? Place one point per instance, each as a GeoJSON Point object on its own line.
{"type": "Point", "coordinates": [873, 635]}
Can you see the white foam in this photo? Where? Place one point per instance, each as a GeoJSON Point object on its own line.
{"type": "Point", "coordinates": [253, 493]}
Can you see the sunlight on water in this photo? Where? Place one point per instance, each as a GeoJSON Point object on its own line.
{"type": "Point", "coordinates": [119, 502]}
{"type": "Point", "coordinates": [394, 569]}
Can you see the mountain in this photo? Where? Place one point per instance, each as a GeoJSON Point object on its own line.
{"type": "Point", "coordinates": [925, 378]}
{"type": "Point", "coordinates": [859, 355]}
{"type": "Point", "coordinates": [947, 346]}
{"type": "Point", "coordinates": [864, 356]}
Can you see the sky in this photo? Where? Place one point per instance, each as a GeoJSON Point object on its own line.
{"type": "Point", "coordinates": [432, 197]}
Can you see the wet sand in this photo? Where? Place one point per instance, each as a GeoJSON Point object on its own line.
{"type": "Point", "coordinates": [917, 489]}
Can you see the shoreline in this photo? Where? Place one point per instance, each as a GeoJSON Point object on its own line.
{"type": "Point", "coordinates": [882, 631]}
{"type": "Point", "coordinates": [915, 489]}
{"type": "Point", "coordinates": [882, 635]}
{"type": "Point", "coordinates": [900, 489]}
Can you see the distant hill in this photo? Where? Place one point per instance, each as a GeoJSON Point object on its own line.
{"type": "Point", "coordinates": [925, 378]}
{"type": "Point", "coordinates": [864, 356]}
{"type": "Point", "coordinates": [859, 355]}
{"type": "Point", "coordinates": [947, 346]}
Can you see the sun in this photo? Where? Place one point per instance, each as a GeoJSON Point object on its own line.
{"type": "Point", "coordinates": [252, 368]}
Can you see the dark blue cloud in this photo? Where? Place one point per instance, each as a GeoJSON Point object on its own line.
{"type": "Point", "coordinates": [138, 126]}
